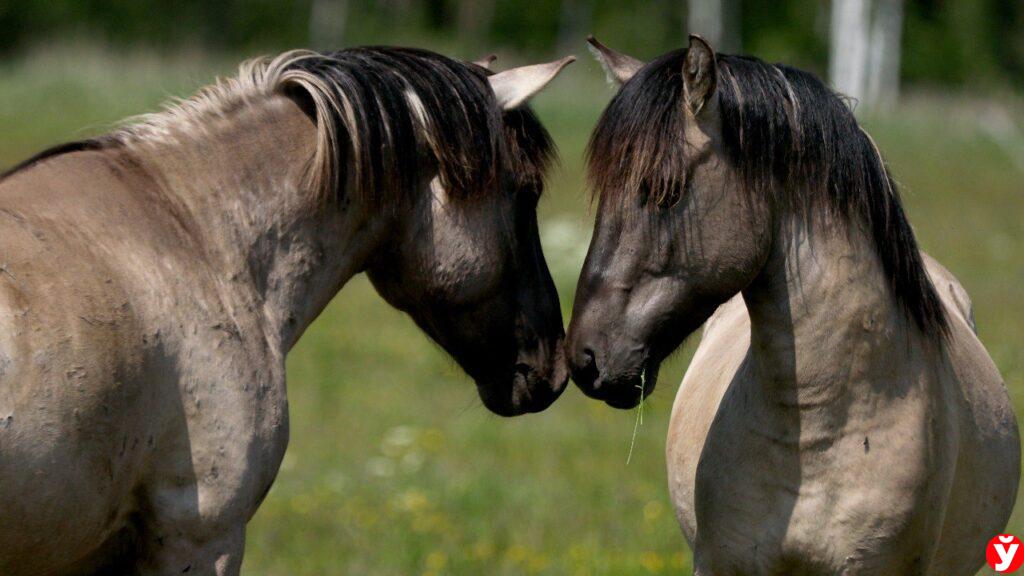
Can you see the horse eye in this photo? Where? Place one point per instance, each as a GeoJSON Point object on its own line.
{"type": "Point", "coordinates": [675, 194]}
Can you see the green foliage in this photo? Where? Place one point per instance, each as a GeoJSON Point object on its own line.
{"type": "Point", "coordinates": [953, 42]}
{"type": "Point", "coordinates": [962, 42]}
{"type": "Point", "coordinates": [790, 31]}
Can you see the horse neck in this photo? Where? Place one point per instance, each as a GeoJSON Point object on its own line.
{"type": "Point", "coordinates": [239, 188]}
{"type": "Point", "coordinates": [824, 323]}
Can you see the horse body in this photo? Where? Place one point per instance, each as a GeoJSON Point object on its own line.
{"type": "Point", "coordinates": [833, 440]}
{"type": "Point", "coordinates": [153, 284]}
{"type": "Point", "coordinates": [840, 415]}
{"type": "Point", "coordinates": [144, 392]}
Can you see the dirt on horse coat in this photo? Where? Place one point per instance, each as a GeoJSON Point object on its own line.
{"type": "Point", "coordinates": [153, 280]}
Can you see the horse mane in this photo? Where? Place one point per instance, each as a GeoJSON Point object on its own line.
{"type": "Point", "coordinates": [793, 141]}
{"type": "Point", "coordinates": [386, 109]}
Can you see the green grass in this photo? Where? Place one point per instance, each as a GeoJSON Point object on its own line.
{"type": "Point", "coordinates": [394, 466]}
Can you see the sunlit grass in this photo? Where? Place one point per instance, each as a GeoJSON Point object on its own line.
{"type": "Point", "coordinates": [395, 468]}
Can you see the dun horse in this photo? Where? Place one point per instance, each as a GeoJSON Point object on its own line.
{"type": "Point", "coordinates": [840, 415]}
{"type": "Point", "coordinates": [154, 279]}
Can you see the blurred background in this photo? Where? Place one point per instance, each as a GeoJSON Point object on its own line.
{"type": "Point", "coordinates": [394, 466]}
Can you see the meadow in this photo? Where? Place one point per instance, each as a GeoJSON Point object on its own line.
{"type": "Point", "coordinates": [396, 468]}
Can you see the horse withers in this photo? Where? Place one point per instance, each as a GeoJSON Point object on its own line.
{"type": "Point", "coordinates": [153, 280]}
{"type": "Point", "coordinates": [840, 415]}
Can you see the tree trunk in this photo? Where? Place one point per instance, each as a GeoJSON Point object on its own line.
{"type": "Point", "coordinates": [717, 21]}
{"type": "Point", "coordinates": [849, 57]}
{"type": "Point", "coordinates": [883, 84]}
{"type": "Point", "coordinates": [327, 24]}
{"type": "Point", "coordinates": [706, 18]}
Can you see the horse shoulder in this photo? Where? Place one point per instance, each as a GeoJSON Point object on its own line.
{"type": "Point", "coordinates": [115, 347]}
{"type": "Point", "coordinates": [724, 344]}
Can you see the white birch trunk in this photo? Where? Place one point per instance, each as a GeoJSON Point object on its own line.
{"type": "Point", "coordinates": [848, 69]}
{"type": "Point", "coordinates": [707, 18]}
{"type": "Point", "coordinates": [883, 84]}
{"type": "Point", "coordinates": [717, 21]}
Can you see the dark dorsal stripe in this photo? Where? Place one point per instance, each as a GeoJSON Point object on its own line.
{"type": "Point", "coordinates": [58, 150]}
{"type": "Point", "coordinates": [792, 139]}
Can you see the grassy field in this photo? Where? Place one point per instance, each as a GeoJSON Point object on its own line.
{"type": "Point", "coordinates": [394, 466]}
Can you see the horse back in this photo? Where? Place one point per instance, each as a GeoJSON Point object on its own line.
{"type": "Point", "coordinates": [76, 414]}
{"type": "Point", "coordinates": [987, 476]}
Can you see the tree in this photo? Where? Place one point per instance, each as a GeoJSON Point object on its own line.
{"type": "Point", "coordinates": [883, 83]}
{"type": "Point", "coordinates": [717, 21]}
{"type": "Point", "coordinates": [865, 50]}
{"type": "Point", "coordinates": [848, 61]}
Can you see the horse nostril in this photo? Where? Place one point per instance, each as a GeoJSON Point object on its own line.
{"type": "Point", "coordinates": [585, 370]}
{"type": "Point", "coordinates": [588, 357]}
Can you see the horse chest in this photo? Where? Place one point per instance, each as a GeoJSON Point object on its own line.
{"type": "Point", "coordinates": [759, 492]}
{"type": "Point", "coordinates": [778, 501]}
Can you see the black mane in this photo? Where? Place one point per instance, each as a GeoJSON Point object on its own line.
{"type": "Point", "coordinates": [470, 140]}
{"type": "Point", "coordinates": [792, 139]}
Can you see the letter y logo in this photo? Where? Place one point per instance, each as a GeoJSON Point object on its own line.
{"type": "Point", "coordinates": [1004, 553]}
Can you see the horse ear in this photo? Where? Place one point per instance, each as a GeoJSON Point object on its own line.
{"type": "Point", "coordinates": [617, 66]}
{"type": "Point", "coordinates": [486, 61]}
{"type": "Point", "coordinates": [700, 74]}
{"type": "Point", "coordinates": [514, 87]}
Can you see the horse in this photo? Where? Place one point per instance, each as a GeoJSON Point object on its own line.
{"type": "Point", "coordinates": [153, 280]}
{"type": "Point", "coordinates": [840, 415]}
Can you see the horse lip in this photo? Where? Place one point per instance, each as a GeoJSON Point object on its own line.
{"type": "Point", "coordinates": [538, 392]}
{"type": "Point", "coordinates": [521, 394]}
{"type": "Point", "coordinates": [620, 404]}
{"type": "Point", "coordinates": [525, 392]}
{"type": "Point", "coordinates": [648, 379]}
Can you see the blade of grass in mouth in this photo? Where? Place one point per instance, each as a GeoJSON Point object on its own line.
{"type": "Point", "coordinates": [639, 415]}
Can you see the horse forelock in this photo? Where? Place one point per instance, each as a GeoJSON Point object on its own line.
{"type": "Point", "coordinates": [792, 140]}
